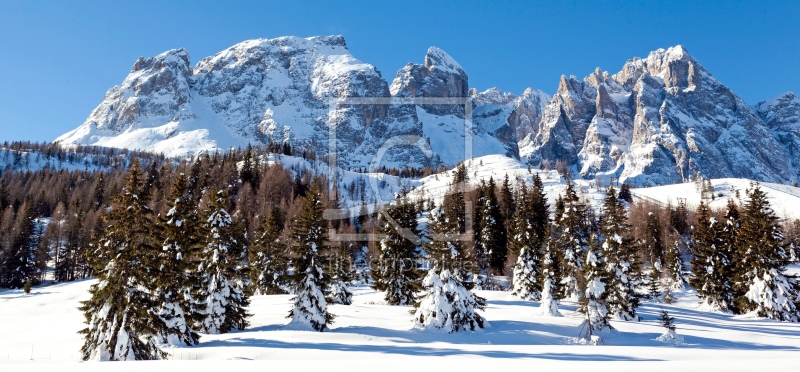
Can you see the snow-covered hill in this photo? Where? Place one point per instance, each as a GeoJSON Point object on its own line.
{"type": "Point", "coordinates": [369, 335]}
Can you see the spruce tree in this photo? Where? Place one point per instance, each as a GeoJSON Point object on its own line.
{"type": "Point", "coordinates": [341, 275]}
{"type": "Point", "coordinates": [674, 267]}
{"type": "Point", "coordinates": [594, 303]}
{"type": "Point", "coordinates": [653, 244]}
{"type": "Point", "coordinates": [571, 240]}
{"type": "Point", "coordinates": [764, 287]}
{"type": "Point", "coordinates": [729, 240]}
{"type": "Point", "coordinates": [397, 274]}
{"type": "Point", "coordinates": [122, 313]}
{"type": "Point", "coordinates": [179, 228]}
{"type": "Point", "coordinates": [448, 305]}
{"type": "Point", "coordinates": [493, 240]}
{"type": "Point", "coordinates": [709, 263]}
{"type": "Point", "coordinates": [310, 306]}
{"type": "Point", "coordinates": [620, 260]}
{"type": "Point", "coordinates": [528, 240]}
{"type": "Point", "coordinates": [223, 269]}
{"type": "Point", "coordinates": [269, 262]}
{"type": "Point", "coordinates": [550, 288]}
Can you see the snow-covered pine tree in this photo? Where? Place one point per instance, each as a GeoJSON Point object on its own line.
{"type": "Point", "coordinates": [620, 260]}
{"type": "Point", "coordinates": [447, 229]}
{"type": "Point", "coordinates": [447, 305]}
{"type": "Point", "coordinates": [493, 241]}
{"type": "Point", "coordinates": [397, 274]}
{"type": "Point", "coordinates": [653, 244]}
{"type": "Point", "coordinates": [179, 228]}
{"type": "Point", "coordinates": [594, 303]}
{"type": "Point", "coordinates": [224, 269]}
{"type": "Point", "coordinates": [550, 289]}
{"type": "Point", "coordinates": [668, 322]}
{"type": "Point", "coordinates": [341, 274]}
{"type": "Point", "coordinates": [528, 240]}
{"type": "Point", "coordinates": [310, 306]}
{"type": "Point", "coordinates": [269, 262]}
{"type": "Point", "coordinates": [571, 239]}
{"type": "Point", "coordinates": [122, 314]}
{"type": "Point", "coordinates": [765, 288]}
{"type": "Point", "coordinates": [729, 239]}
{"type": "Point", "coordinates": [709, 262]}
{"type": "Point", "coordinates": [674, 266]}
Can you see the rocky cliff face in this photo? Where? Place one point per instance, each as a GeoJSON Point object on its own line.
{"type": "Point", "coordinates": [289, 89]}
{"type": "Point", "coordinates": [782, 116]}
{"type": "Point", "coordinates": [660, 120]}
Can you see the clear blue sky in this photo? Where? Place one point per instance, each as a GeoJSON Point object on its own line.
{"type": "Point", "coordinates": [58, 58]}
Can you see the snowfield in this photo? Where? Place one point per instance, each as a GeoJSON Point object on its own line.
{"type": "Point", "coordinates": [39, 332]}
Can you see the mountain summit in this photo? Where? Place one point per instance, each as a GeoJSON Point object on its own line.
{"type": "Point", "coordinates": [659, 120]}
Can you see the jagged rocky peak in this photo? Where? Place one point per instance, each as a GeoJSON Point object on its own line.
{"type": "Point", "coordinates": [439, 76]}
{"type": "Point", "coordinates": [781, 111]}
{"type": "Point", "coordinates": [673, 65]}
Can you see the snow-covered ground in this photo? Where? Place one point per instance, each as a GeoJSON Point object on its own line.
{"type": "Point", "coordinates": [785, 199]}
{"type": "Point", "coordinates": [39, 332]}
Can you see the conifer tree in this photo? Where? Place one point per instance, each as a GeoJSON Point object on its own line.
{"type": "Point", "coordinates": [709, 264]}
{"type": "Point", "coordinates": [729, 239]}
{"type": "Point", "coordinates": [571, 240]}
{"type": "Point", "coordinates": [493, 240]}
{"type": "Point", "coordinates": [619, 256]}
{"type": "Point", "coordinates": [653, 244]}
{"type": "Point", "coordinates": [223, 269]}
{"type": "Point", "coordinates": [341, 275]}
{"type": "Point", "coordinates": [310, 306]}
{"type": "Point", "coordinates": [550, 289]}
{"type": "Point", "coordinates": [674, 267]}
{"type": "Point", "coordinates": [765, 288]}
{"type": "Point", "coordinates": [528, 239]}
{"type": "Point", "coordinates": [269, 262]}
{"type": "Point", "coordinates": [121, 316]}
{"type": "Point", "coordinates": [594, 302]}
{"type": "Point", "coordinates": [397, 274]}
{"type": "Point", "coordinates": [447, 304]}
{"type": "Point", "coordinates": [180, 230]}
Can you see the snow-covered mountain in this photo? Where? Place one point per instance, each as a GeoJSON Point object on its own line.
{"type": "Point", "coordinates": [291, 89]}
{"type": "Point", "coordinates": [660, 120]}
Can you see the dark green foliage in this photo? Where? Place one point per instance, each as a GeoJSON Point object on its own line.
{"type": "Point", "coordinates": [269, 261]}
{"type": "Point", "coordinates": [594, 303]}
{"type": "Point", "coordinates": [709, 264]}
{"type": "Point", "coordinates": [396, 272]}
{"type": "Point", "coordinates": [570, 239]}
{"type": "Point", "coordinates": [121, 317]}
{"type": "Point", "coordinates": [653, 241]}
{"type": "Point", "coordinates": [308, 239]}
{"type": "Point", "coordinates": [222, 269]}
{"type": "Point", "coordinates": [492, 238]}
{"type": "Point", "coordinates": [180, 229]}
{"type": "Point", "coordinates": [667, 321]}
{"type": "Point", "coordinates": [761, 283]}
{"type": "Point", "coordinates": [620, 263]}
{"type": "Point", "coordinates": [625, 193]}
{"type": "Point", "coordinates": [528, 241]}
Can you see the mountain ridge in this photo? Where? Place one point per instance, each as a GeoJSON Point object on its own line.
{"type": "Point", "coordinates": [660, 119]}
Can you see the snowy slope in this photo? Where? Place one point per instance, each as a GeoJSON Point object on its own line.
{"type": "Point", "coordinates": [370, 335]}
{"type": "Point", "coordinates": [784, 199]}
